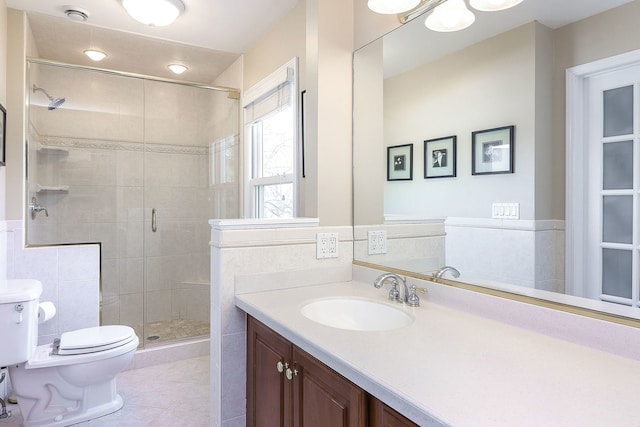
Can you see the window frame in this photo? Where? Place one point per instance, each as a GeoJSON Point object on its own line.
{"type": "Point", "coordinates": [285, 75]}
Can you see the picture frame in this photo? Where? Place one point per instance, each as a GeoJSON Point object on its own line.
{"type": "Point", "coordinates": [3, 135]}
{"type": "Point", "coordinates": [440, 157]}
{"type": "Point", "coordinates": [492, 151]}
{"type": "Point", "coordinates": [400, 163]}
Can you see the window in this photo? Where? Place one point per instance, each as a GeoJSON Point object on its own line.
{"type": "Point", "coordinates": [270, 113]}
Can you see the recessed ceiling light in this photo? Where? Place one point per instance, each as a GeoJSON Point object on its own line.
{"type": "Point", "coordinates": [95, 55]}
{"type": "Point", "coordinates": [177, 68]}
{"type": "Point", "coordinates": [77, 13]}
{"type": "Point", "coordinates": [155, 13]}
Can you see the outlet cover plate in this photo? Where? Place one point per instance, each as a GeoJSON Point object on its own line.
{"type": "Point", "coordinates": [377, 242]}
{"type": "Point", "coordinates": [326, 245]}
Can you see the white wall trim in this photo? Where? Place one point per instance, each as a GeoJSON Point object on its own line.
{"type": "Point", "coordinates": [261, 223]}
{"type": "Point", "coordinates": [507, 224]}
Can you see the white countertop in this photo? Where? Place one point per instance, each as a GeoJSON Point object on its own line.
{"type": "Point", "coordinates": [452, 368]}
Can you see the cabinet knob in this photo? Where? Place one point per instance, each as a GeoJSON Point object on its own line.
{"type": "Point", "coordinates": [280, 366]}
{"type": "Point", "coordinates": [291, 373]}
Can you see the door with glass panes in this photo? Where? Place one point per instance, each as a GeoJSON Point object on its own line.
{"type": "Point", "coordinates": [613, 199]}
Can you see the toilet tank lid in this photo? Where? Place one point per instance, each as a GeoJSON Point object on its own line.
{"type": "Point", "coordinates": [17, 290]}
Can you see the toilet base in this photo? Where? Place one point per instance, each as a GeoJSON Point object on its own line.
{"type": "Point", "coordinates": [90, 414]}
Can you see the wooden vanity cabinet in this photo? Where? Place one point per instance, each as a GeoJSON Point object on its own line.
{"type": "Point", "coordinates": [269, 393]}
{"type": "Point", "coordinates": [381, 415]}
{"type": "Point", "coordinates": [286, 387]}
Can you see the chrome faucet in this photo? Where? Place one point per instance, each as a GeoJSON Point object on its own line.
{"type": "Point", "coordinates": [454, 272]}
{"type": "Point", "coordinates": [34, 208]}
{"type": "Point", "coordinates": [409, 298]}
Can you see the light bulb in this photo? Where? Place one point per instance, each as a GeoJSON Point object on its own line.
{"type": "Point", "coordinates": [452, 15]}
{"type": "Point", "coordinates": [95, 55]}
{"type": "Point", "coordinates": [177, 68]}
{"type": "Point", "coordinates": [156, 13]}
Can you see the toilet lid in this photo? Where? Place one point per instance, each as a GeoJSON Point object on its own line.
{"type": "Point", "coordinates": [94, 339]}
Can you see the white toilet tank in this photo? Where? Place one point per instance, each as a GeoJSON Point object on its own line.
{"type": "Point", "coordinates": [18, 320]}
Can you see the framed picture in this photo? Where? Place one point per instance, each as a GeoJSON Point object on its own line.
{"type": "Point", "coordinates": [400, 163]}
{"type": "Point", "coordinates": [492, 151]}
{"type": "Point", "coordinates": [440, 157]}
{"type": "Point", "coordinates": [3, 134]}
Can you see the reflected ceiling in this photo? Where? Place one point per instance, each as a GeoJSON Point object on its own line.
{"type": "Point", "coordinates": [402, 51]}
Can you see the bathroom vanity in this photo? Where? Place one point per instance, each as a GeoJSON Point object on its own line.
{"type": "Point", "coordinates": [285, 383]}
{"type": "Point", "coordinates": [449, 366]}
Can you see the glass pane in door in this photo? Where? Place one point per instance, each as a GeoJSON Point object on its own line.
{"type": "Point", "coordinates": [616, 272]}
{"type": "Point", "coordinates": [617, 163]}
{"type": "Point", "coordinates": [618, 111]}
{"type": "Point", "coordinates": [617, 219]}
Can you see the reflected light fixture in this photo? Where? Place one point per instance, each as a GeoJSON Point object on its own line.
{"type": "Point", "coordinates": [177, 68]}
{"type": "Point", "coordinates": [95, 55]}
{"type": "Point", "coordinates": [389, 7]}
{"type": "Point", "coordinates": [493, 5]}
{"type": "Point", "coordinates": [155, 13]}
{"type": "Point", "coordinates": [451, 15]}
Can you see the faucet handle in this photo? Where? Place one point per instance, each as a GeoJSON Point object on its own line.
{"type": "Point", "coordinates": [413, 300]}
{"type": "Point", "coordinates": [394, 293]}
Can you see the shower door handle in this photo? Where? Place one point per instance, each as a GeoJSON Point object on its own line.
{"type": "Point", "coordinates": [154, 225]}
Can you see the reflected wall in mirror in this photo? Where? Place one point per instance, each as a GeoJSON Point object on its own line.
{"type": "Point", "coordinates": [505, 231]}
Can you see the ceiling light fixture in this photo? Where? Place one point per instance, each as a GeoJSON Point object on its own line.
{"type": "Point", "coordinates": [493, 5]}
{"type": "Point", "coordinates": [155, 13]}
{"type": "Point", "coordinates": [177, 68]}
{"type": "Point", "coordinates": [451, 15]}
{"type": "Point", "coordinates": [77, 13]}
{"type": "Point", "coordinates": [95, 55]}
{"type": "Point", "coordinates": [390, 7]}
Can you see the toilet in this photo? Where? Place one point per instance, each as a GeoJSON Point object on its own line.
{"type": "Point", "coordinates": [66, 382]}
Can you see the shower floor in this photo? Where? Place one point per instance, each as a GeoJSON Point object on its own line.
{"type": "Point", "coordinates": [172, 330]}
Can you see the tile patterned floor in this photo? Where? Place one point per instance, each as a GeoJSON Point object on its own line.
{"type": "Point", "coordinates": [172, 330]}
{"type": "Point", "coordinates": [166, 395]}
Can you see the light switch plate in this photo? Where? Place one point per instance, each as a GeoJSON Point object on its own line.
{"type": "Point", "coordinates": [505, 210]}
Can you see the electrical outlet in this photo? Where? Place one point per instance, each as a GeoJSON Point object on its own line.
{"type": "Point", "coordinates": [377, 242]}
{"type": "Point", "coordinates": [326, 245]}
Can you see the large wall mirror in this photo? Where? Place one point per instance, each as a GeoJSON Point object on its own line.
{"type": "Point", "coordinates": [480, 118]}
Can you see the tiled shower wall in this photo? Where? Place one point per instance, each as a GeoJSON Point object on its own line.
{"type": "Point", "coordinates": [118, 148]}
{"type": "Point", "coordinates": [103, 200]}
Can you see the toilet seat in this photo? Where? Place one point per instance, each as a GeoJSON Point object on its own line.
{"type": "Point", "coordinates": [91, 340]}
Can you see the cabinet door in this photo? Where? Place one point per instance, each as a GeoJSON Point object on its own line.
{"type": "Point", "coordinates": [323, 398]}
{"type": "Point", "coordinates": [268, 390]}
{"type": "Point", "coordinates": [383, 416]}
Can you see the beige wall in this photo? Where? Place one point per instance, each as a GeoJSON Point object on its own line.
{"type": "Point", "coordinates": [19, 45]}
{"type": "Point", "coordinates": [320, 34]}
{"type": "Point", "coordinates": [3, 99]}
{"type": "Point", "coordinates": [601, 36]}
{"type": "Point", "coordinates": [488, 85]}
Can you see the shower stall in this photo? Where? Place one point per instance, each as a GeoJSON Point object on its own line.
{"type": "Point", "coordinates": [138, 165]}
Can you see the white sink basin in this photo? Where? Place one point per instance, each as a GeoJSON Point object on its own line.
{"type": "Point", "coordinates": [356, 314]}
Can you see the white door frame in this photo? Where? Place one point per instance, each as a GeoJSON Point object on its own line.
{"type": "Point", "coordinates": [576, 165]}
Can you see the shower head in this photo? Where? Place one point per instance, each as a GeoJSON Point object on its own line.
{"type": "Point", "coordinates": [53, 102]}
